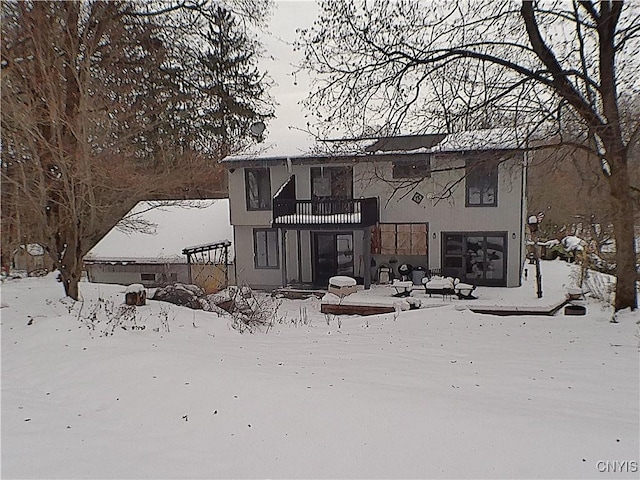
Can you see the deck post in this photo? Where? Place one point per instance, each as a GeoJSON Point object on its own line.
{"type": "Point", "coordinates": [189, 267]}
{"type": "Point", "coordinates": [299, 248]}
{"type": "Point", "coordinates": [284, 257]}
{"type": "Point", "coordinates": [367, 258]}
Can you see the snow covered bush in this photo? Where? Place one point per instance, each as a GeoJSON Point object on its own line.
{"type": "Point", "coordinates": [251, 312]}
{"type": "Point", "coordinates": [104, 317]}
{"type": "Point", "coordinates": [600, 285]}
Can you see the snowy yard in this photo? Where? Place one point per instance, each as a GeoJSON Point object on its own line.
{"type": "Point", "coordinates": [438, 392]}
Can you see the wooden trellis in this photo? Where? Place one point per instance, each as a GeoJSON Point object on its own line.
{"type": "Point", "coordinates": [213, 258]}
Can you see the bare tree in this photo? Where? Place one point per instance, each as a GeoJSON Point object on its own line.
{"type": "Point", "coordinates": [97, 114]}
{"type": "Point", "coordinates": [568, 69]}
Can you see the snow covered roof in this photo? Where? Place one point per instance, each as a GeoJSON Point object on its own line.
{"type": "Point", "coordinates": [177, 228]}
{"type": "Point", "coordinates": [378, 148]}
{"type": "Point", "coordinates": [488, 139]}
{"type": "Point", "coordinates": [406, 143]}
{"type": "Point", "coordinates": [33, 249]}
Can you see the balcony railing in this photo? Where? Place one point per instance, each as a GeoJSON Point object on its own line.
{"type": "Point", "coordinates": [362, 212]}
{"type": "Point", "coordinates": [336, 212]}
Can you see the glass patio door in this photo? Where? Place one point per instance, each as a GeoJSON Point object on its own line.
{"type": "Point", "coordinates": [478, 258]}
{"type": "Point", "coordinates": [333, 255]}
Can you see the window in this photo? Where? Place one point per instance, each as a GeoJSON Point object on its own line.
{"type": "Point", "coordinates": [482, 183]}
{"type": "Point", "coordinates": [265, 248]}
{"type": "Point", "coordinates": [257, 183]}
{"type": "Point", "coordinates": [404, 169]}
{"type": "Point", "coordinates": [400, 239]}
{"type": "Point", "coordinates": [331, 182]}
{"type": "Point", "coordinates": [148, 277]}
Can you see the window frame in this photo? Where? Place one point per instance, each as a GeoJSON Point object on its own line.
{"type": "Point", "coordinates": [477, 172]}
{"type": "Point", "coordinates": [333, 175]}
{"type": "Point", "coordinates": [266, 232]}
{"type": "Point", "coordinates": [263, 197]}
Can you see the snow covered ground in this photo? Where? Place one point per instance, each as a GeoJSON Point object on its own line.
{"type": "Point", "coordinates": [431, 393]}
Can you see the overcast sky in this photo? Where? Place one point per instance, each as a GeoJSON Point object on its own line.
{"type": "Point", "coordinates": [288, 91]}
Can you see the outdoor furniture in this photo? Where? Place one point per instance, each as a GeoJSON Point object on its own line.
{"type": "Point", "coordinates": [384, 275]}
{"type": "Point", "coordinates": [342, 285]}
{"type": "Point", "coordinates": [404, 271]}
{"type": "Point", "coordinates": [464, 291]}
{"type": "Point", "coordinates": [403, 288]}
{"type": "Point", "coordinates": [439, 286]}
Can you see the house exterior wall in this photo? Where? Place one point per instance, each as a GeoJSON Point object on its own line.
{"type": "Point", "coordinates": [449, 213]}
{"type": "Point", "coordinates": [245, 270]}
{"type": "Point", "coordinates": [138, 273]}
{"type": "Point", "coordinates": [442, 214]}
{"type": "Point", "coordinates": [208, 277]}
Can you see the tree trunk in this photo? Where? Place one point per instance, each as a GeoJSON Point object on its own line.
{"type": "Point", "coordinates": [623, 218]}
{"type": "Point", "coordinates": [70, 283]}
{"type": "Point", "coordinates": [70, 267]}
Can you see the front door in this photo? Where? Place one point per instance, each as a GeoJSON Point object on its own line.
{"type": "Point", "coordinates": [333, 255]}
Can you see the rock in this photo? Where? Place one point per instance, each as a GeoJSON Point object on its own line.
{"type": "Point", "coordinates": [190, 296]}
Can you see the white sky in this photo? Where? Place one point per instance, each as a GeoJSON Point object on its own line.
{"type": "Point", "coordinates": [288, 91]}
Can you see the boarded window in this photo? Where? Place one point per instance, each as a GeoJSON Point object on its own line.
{"type": "Point", "coordinates": [400, 239]}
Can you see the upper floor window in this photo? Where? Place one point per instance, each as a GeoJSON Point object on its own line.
{"type": "Point", "coordinates": [404, 169]}
{"type": "Point", "coordinates": [257, 183]}
{"type": "Point", "coordinates": [331, 182]}
{"type": "Point", "coordinates": [481, 183]}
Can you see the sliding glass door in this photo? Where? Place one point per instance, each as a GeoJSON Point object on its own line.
{"type": "Point", "coordinates": [479, 258]}
{"type": "Point", "coordinates": [333, 255]}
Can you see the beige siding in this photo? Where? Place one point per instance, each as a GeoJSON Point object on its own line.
{"type": "Point", "coordinates": [447, 213]}
{"type": "Point", "coordinates": [441, 210]}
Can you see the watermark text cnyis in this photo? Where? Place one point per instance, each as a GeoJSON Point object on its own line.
{"type": "Point", "coordinates": [617, 466]}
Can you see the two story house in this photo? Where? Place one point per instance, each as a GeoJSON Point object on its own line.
{"type": "Point", "coordinates": [451, 203]}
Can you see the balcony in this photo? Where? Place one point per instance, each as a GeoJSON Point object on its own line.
{"type": "Point", "coordinates": [336, 212]}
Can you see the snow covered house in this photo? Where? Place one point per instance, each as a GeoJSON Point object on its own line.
{"type": "Point", "coordinates": [453, 203]}
{"type": "Point", "coordinates": [185, 245]}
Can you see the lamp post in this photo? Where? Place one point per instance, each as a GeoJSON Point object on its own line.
{"type": "Point", "coordinates": [533, 222]}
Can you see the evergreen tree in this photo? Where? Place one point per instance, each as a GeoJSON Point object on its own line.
{"type": "Point", "coordinates": [102, 108]}
{"type": "Point", "coordinates": [235, 90]}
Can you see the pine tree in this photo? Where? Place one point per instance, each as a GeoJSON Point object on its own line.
{"type": "Point", "coordinates": [236, 91]}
